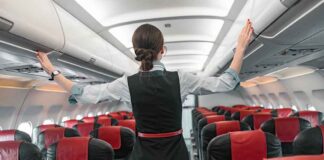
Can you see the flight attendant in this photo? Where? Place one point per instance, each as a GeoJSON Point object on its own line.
{"type": "Point", "coordinates": [156, 95]}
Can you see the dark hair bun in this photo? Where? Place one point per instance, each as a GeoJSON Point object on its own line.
{"type": "Point", "coordinates": [146, 56]}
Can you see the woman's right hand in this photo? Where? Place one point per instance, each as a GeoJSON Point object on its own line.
{"type": "Point", "coordinates": [45, 62]}
{"type": "Point", "coordinates": [245, 36]}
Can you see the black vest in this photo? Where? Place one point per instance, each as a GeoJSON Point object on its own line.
{"type": "Point", "coordinates": [156, 101]}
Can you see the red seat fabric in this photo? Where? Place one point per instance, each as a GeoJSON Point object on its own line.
{"type": "Point", "coordinates": [248, 145]}
{"type": "Point", "coordinates": [130, 123]}
{"type": "Point", "coordinates": [80, 148]}
{"type": "Point", "coordinates": [266, 110]}
{"type": "Point", "coordinates": [84, 129]}
{"type": "Point", "coordinates": [115, 115]}
{"type": "Point", "coordinates": [258, 119]}
{"type": "Point", "coordinates": [9, 150]}
{"type": "Point", "coordinates": [215, 118]}
{"type": "Point", "coordinates": [42, 128]}
{"type": "Point", "coordinates": [227, 126]}
{"type": "Point", "coordinates": [287, 128]}
{"type": "Point", "coordinates": [104, 120]}
{"type": "Point", "coordinates": [70, 123]}
{"type": "Point", "coordinates": [314, 117]}
{"type": "Point", "coordinates": [283, 112]}
{"type": "Point", "coordinates": [316, 157]}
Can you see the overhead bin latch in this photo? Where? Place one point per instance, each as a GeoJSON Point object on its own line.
{"type": "Point", "coordinates": [5, 25]}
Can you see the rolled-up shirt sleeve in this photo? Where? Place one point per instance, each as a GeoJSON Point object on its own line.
{"type": "Point", "coordinates": [192, 84]}
{"type": "Point", "coordinates": [92, 94]}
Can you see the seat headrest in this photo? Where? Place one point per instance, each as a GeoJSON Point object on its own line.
{"type": "Point", "coordinates": [309, 142]}
{"type": "Point", "coordinates": [89, 119]}
{"type": "Point", "coordinates": [105, 121]}
{"type": "Point", "coordinates": [70, 123]}
{"type": "Point", "coordinates": [129, 123]}
{"type": "Point", "coordinates": [42, 128]}
{"type": "Point", "coordinates": [84, 129]}
{"type": "Point", "coordinates": [314, 117]}
{"type": "Point", "coordinates": [80, 148]}
{"type": "Point", "coordinates": [266, 110]}
{"type": "Point", "coordinates": [14, 135]}
{"type": "Point", "coordinates": [52, 135]}
{"type": "Point", "coordinates": [244, 145]}
{"type": "Point", "coordinates": [286, 128]}
{"type": "Point", "coordinates": [19, 150]}
{"type": "Point", "coordinates": [215, 118]}
{"type": "Point", "coordinates": [282, 112]}
{"type": "Point", "coordinates": [227, 126]}
{"type": "Point", "coordinates": [121, 139]}
{"type": "Point", "coordinates": [115, 115]}
{"type": "Point", "coordinates": [239, 115]}
{"type": "Point", "coordinates": [258, 119]}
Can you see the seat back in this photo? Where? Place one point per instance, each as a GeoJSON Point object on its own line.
{"type": "Point", "coordinates": [282, 112]}
{"type": "Point", "coordinates": [242, 114]}
{"type": "Point", "coordinates": [244, 145]}
{"type": "Point", "coordinates": [286, 129]}
{"type": "Point", "coordinates": [19, 150]}
{"type": "Point", "coordinates": [129, 123]}
{"type": "Point", "coordinates": [14, 135]}
{"type": "Point", "coordinates": [52, 135]}
{"type": "Point", "coordinates": [80, 148]}
{"type": "Point", "coordinates": [215, 129]}
{"type": "Point", "coordinates": [104, 120]}
{"type": "Point", "coordinates": [121, 139]}
{"type": "Point", "coordinates": [89, 119]}
{"type": "Point", "coordinates": [70, 123]}
{"type": "Point", "coordinates": [84, 129]}
{"type": "Point", "coordinates": [309, 142]}
{"type": "Point", "coordinates": [256, 119]}
{"type": "Point", "coordinates": [314, 117]}
{"type": "Point", "coordinates": [42, 128]}
{"type": "Point", "coordinates": [115, 115]}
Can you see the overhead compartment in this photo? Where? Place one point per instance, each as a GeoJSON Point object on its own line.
{"type": "Point", "coordinates": [86, 45]}
{"type": "Point", "coordinates": [35, 20]}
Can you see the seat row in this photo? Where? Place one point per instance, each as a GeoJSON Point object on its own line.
{"type": "Point", "coordinates": [206, 126]}
{"type": "Point", "coordinates": [86, 138]}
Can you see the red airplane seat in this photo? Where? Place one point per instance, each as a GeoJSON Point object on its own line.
{"type": "Point", "coordinates": [70, 123]}
{"type": "Point", "coordinates": [115, 115]}
{"type": "Point", "coordinates": [215, 129]}
{"type": "Point", "coordinates": [282, 112]}
{"type": "Point", "coordinates": [42, 128]}
{"type": "Point", "coordinates": [14, 135]}
{"type": "Point", "coordinates": [286, 129]}
{"type": "Point", "coordinates": [256, 119]}
{"type": "Point", "coordinates": [309, 142]}
{"type": "Point", "coordinates": [19, 150]}
{"type": "Point", "coordinates": [241, 114]}
{"type": "Point", "coordinates": [244, 145]}
{"type": "Point", "coordinates": [52, 135]}
{"type": "Point", "coordinates": [80, 148]}
{"type": "Point", "coordinates": [121, 139]}
{"type": "Point", "coordinates": [104, 120]}
{"type": "Point", "coordinates": [266, 110]}
{"type": "Point", "coordinates": [84, 129]}
{"type": "Point", "coordinates": [315, 117]}
{"type": "Point", "coordinates": [128, 123]}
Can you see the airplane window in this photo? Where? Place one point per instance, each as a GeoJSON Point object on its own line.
{"type": "Point", "coordinates": [99, 113]}
{"type": "Point", "coordinates": [65, 118]}
{"type": "Point", "coordinates": [49, 121]}
{"type": "Point", "coordinates": [294, 107]}
{"type": "Point", "coordinates": [90, 114]}
{"type": "Point", "coordinates": [79, 117]}
{"type": "Point", "coordinates": [26, 127]}
{"type": "Point", "coordinates": [311, 108]}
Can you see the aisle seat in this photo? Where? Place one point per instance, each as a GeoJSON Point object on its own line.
{"type": "Point", "coordinates": [129, 123]}
{"type": "Point", "coordinates": [215, 129]}
{"type": "Point", "coordinates": [80, 148]}
{"type": "Point", "coordinates": [121, 139]}
{"type": "Point", "coordinates": [70, 123]}
{"type": "Point", "coordinates": [14, 135]}
{"type": "Point", "coordinates": [256, 119]}
{"type": "Point", "coordinates": [244, 145]}
{"type": "Point", "coordinates": [84, 129]}
{"type": "Point", "coordinates": [315, 117]}
{"type": "Point", "coordinates": [286, 129]}
{"type": "Point", "coordinates": [89, 119]}
{"type": "Point", "coordinates": [42, 128]}
{"type": "Point", "coordinates": [282, 112]}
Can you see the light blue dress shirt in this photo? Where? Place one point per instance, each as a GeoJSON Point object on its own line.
{"type": "Point", "coordinates": [189, 84]}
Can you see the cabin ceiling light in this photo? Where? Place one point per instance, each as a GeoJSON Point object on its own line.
{"type": "Point", "coordinates": [109, 13]}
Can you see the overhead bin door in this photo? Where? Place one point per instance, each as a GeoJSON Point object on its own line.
{"type": "Point", "coordinates": [35, 20]}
